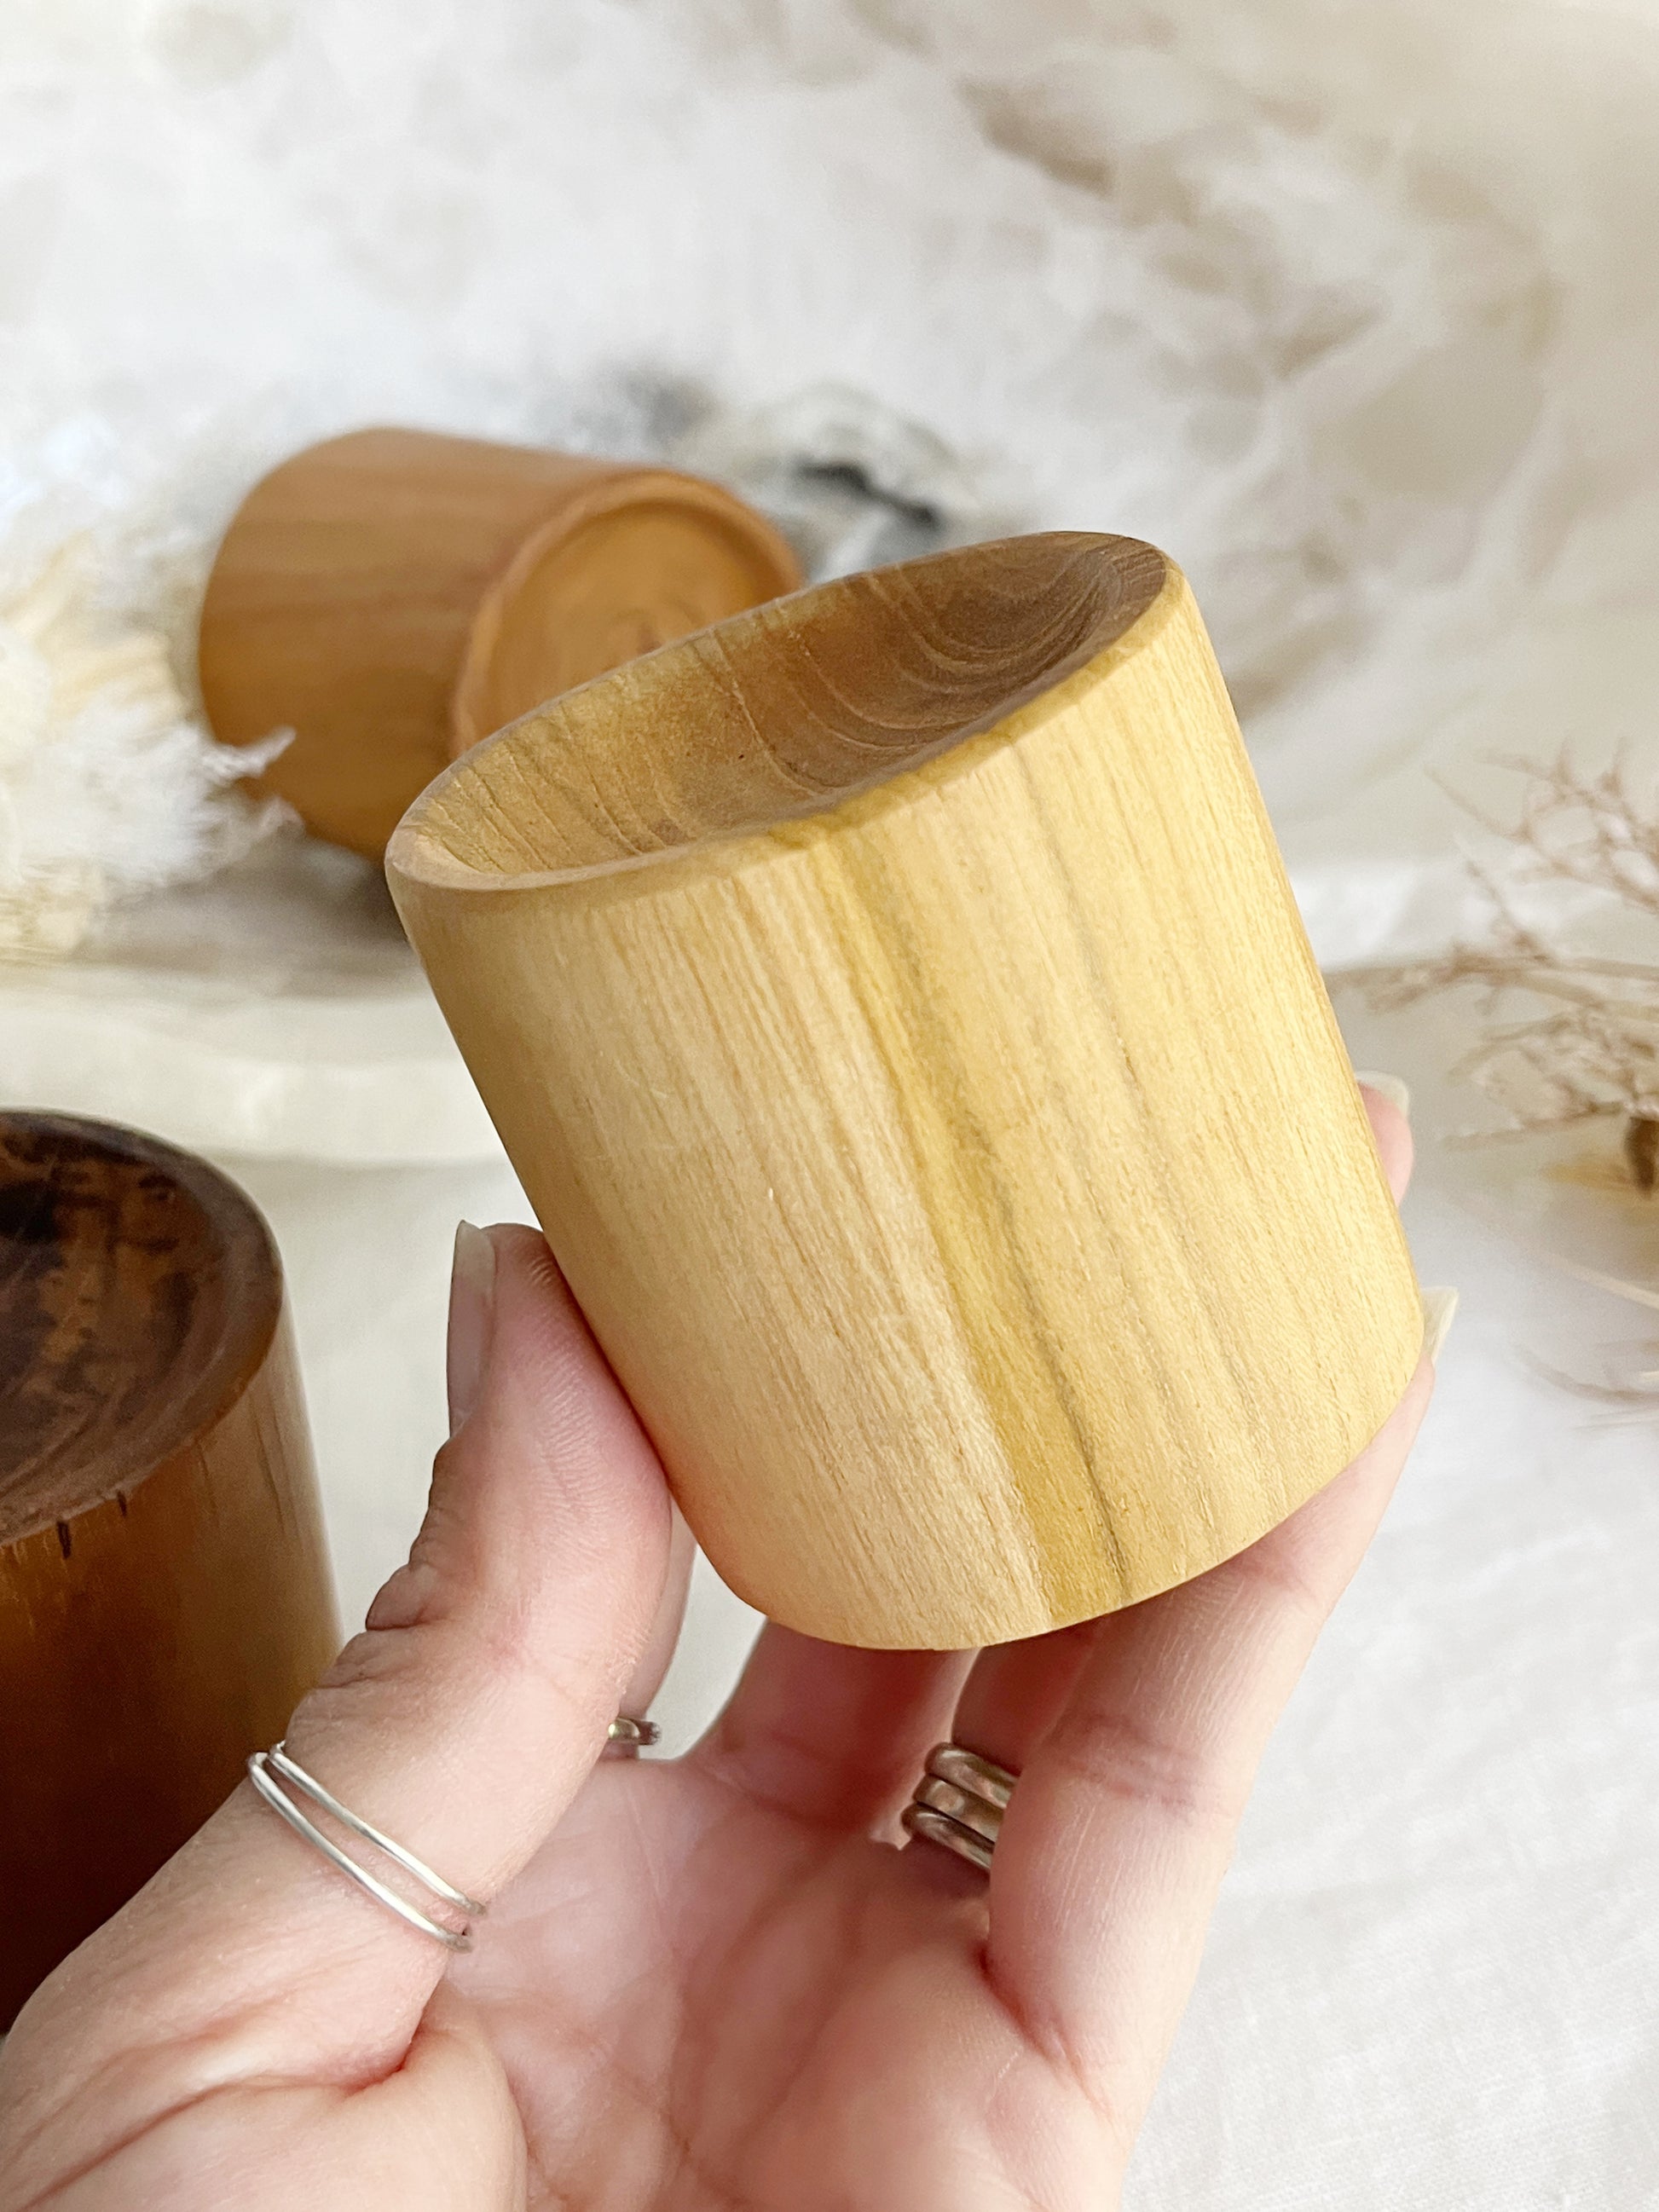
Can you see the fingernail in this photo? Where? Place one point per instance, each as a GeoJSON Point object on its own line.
{"type": "Point", "coordinates": [1438, 1307]}
{"type": "Point", "coordinates": [1390, 1087]}
{"type": "Point", "coordinates": [472, 1302]}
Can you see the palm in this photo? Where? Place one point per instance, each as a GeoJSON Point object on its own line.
{"type": "Point", "coordinates": [702, 2001]}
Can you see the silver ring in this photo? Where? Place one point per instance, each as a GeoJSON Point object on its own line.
{"type": "Point", "coordinates": [630, 1737]}
{"type": "Point", "coordinates": [959, 1803]}
{"type": "Point", "coordinates": [935, 1828]}
{"type": "Point", "coordinates": [982, 1776]}
{"type": "Point", "coordinates": [961, 1806]}
{"type": "Point", "coordinates": [262, 1769]}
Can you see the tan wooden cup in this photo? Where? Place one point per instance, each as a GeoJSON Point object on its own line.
{"type": "Point", "coordinates": [895, 1006]}
{"type": "Point", "coordinates": [165, 1598]}
{"type": "Point", "coordinates": [392, 596]}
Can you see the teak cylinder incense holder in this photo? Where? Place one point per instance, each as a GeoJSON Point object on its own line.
{"type": "Point", "coordinates": [392, 596]}
{"type": "Point", "coordinates": [165, 1598]}
{"type": "Point", "coordinates": [894, 1003]}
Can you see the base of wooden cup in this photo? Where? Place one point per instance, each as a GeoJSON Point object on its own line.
{"type": "Point", "coordinates": [640, 557]}
{"type": "Point", "coordinates": [165, 1598]}
{"type": "Point", "coordinates": [392, 596]}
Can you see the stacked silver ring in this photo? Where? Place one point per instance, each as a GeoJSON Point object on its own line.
{"type": "Point", "coordinates": [959, 1803]}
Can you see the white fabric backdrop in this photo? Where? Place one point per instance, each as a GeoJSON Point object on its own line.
{"type": "Point", "coordinates": [1354, 311]}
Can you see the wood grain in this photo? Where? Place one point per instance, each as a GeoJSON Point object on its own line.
{"type": "Point", "coordinates": [895, 1006]}
{"type": "Point", "coordinates": [165, 1597]}
{"type": "Point", "coordinates": [394, 596]}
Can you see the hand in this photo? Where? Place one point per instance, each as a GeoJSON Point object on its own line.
{"type": "Point", "coordinates": [702, 1985]}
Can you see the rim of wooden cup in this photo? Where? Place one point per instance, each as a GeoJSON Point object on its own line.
{"type": "Point", "coordinates": [140, 1292]}
{"type": "Point", "coordinates": [1017, 619]}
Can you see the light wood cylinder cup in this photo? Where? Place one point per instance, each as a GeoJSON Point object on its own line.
{"type": "Point", "coordinates": [392, 596]}
{"type": "Point", "coordinates": [165, 1596]}
{"type": "Point", "coordinates": [895, 1006]}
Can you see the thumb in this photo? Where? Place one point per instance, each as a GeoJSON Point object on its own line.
{"type": "Point", "coordinates": [461, 1722]}
{"type": "Point", "coordinates": [478, 1696]}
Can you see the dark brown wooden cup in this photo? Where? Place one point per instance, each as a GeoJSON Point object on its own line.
{"type": "Point", "coordinates": [165, 1596]}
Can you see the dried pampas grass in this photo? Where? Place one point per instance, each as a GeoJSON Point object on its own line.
{"type": "Point", "coordinates": [109, 784]}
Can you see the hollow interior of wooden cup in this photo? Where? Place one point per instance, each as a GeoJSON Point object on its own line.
{"type": "Point", "coordinates": [778, 714]}
{"type": "Point", "coordinates": [139, 1291]}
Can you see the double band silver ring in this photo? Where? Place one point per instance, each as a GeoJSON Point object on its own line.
{"type": "Point", "coordinates": [268, 1771]}
{"type": "Point", "coordinates": [279, 1779]}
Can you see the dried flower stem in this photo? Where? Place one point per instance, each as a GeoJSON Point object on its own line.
{"type": "Point", "coordinates": [1588, 1044]}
